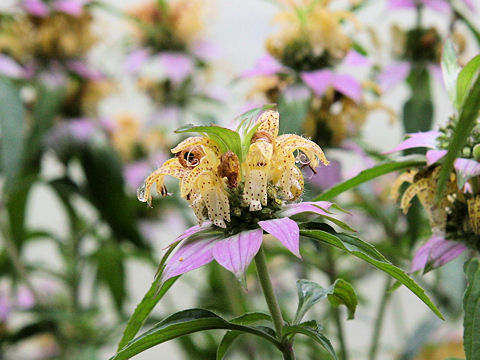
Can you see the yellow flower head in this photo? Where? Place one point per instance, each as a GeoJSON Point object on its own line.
{"type": "Point", "coordinates": [310, 33]}
{"type": "Point", "coordinates": [225, 172]}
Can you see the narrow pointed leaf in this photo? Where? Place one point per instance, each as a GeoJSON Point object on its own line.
{"type": "Point", "coordinates": [368, 175]}
{"type": "Point", "coordinates": [471, 308]}
{"type": "Point", "coordinates": [450, 70]}
{"type": "Point", "coordinates": [184, 323]}
{"type": "Point", "coordinates": [465, 78]}
{"type": "Point", "coordinates": [312, 332]}
{"type": "Point", "coordinates": [368, 253]}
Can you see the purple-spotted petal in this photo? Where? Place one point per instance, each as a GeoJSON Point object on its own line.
{"type": "Point", "coordinates": [10, 68]}
{"type": "Point", "coordinates": [466, 169]}
{"type": "Point", "coordinates": [392, 75]}
{"type": "Point", "coordinates": [71, 7]}
{"type": "Point", "coordinates": [286, 231]}
{"type": "Point", "coordinates": [190, 256]}
{"type": "Point", "coordinates": [434, 155]}
{"type": "Point", "coordinates": [436, 251]}
{"type": "Point", "coordinates": [265, 66]}
{"type": "Point", "coordinates": [236, 252]}
{"type": "Point", "coordinates": [177, 66]}
{"type": "Point", "coordinates": [318, 81]}
{"type": "Point", "coordinates": [354, 58]}
{"type": "Point", "coordinates": [36, 7]}
{"type": "Point", "coordinates": [317, 207]}
{"type": "Point", "coordinates": [426, 139]}
{"type": "Point", "coordinates": [348, 86]}
{"type": "Point", "coordinates": [136, 59]}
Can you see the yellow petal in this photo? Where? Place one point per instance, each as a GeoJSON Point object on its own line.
{"type": "Point", "coordinates": [171, 167]}
{"type": "Point", "coordinates": [288, 143]}
{"type": "Point", "coordinates": [215, 198]}
{"type": "Point", "coordinates": [196, 140]}
{"type": "Point", "coordinates": [208, 164]}
{"type": "Point", "coordinates": [474, 213]}
{"type": "Point", "coordinates": [403, 178]}
{"type": "Point", "coordinates": [422, 185]}
{"type": "Point", "coordinates": [269, 121]}
{"type": "Point", "coordinates": [198, 205]}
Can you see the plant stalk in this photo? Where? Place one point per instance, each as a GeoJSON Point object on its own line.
{"type": "Point", "coordinates": [372, 354]}
{"type": "Point", "coordinates": [272, 302]}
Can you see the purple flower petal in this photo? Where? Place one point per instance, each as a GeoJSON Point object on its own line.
{"type": "Point", "coordinates": [441, 6]}
{"type": "Point", "coordinates": [35, 7]}
{"type": "Point", "coordinates": [25, 299]}
{"type": "Point", "coordinates": [190, 256]}
{"type": "Point", "coordinates": [71, 7]}
{"type": "Point", "coordinates": [319, 81]}
{"type": "Point", "coordinates": [470, 4]}
{"type": "Point", "coordinates": [466, 169]}
{"type": "Point", "coordinates": [82, 69]}
{"type": "Point", "coordinates": [5, 308]}
{"type": "Point", "coordinates": [326, 176]}
{"type": "Point", "coordinates": [10, 67]}
{"type": "Point", "coordinates": [286, 231]}
{"type": "Point", "coordinates": [206, 50]}
{"type": "Point", "coordinates": [434, 155]}
{"type": "Point", "coordinates": [436, 71]}
{"type": "Point", "coordinates": [236, 252]}
{"type": "Point", "coordinates": [400, 4]}
{"type": "Point", "coordinates": [357, 149]}
{"type": "Point", "coordinates": [354, 58]}
{"type": "Point", "coordinates": [347, 85]}
{"type": "Point", "coordinates": [317, 207]}
{"type": "Point", "coordinates": [191, 231]}
{"type": "Point", "coordinates": [177, 66]}
{"type": "Point", "coordinates": [392, 75]}
{"type": "Point", "coordinates": [265, 66]}
{"type": "Point", "coordinates": [436, 251]}
{"type": "Point", "coordinates": [136, 172]}
{"type": "Point", "coordinates": [136, 59]}
{"type": "Point", "coordinates": [81, 129]}
{"type": "Point", "coordinates": [426, 139]}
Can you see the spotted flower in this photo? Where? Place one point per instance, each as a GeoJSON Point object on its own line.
{"type": "Point", "coordinates": [238, 189]}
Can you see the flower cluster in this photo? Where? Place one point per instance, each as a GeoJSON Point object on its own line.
{"type": "Point", "coordinates": [237, 191]}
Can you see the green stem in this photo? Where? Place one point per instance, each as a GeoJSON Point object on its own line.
{"type": "Point", "coordinates": [379, 320]}
{"type": "Point", "coordinates": [332, 276]}
{"type": "Point", "coordinates": [272, 302]}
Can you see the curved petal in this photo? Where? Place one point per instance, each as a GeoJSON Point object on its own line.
{"type": "Point", "coordinates": [35, 7]}
{"type": "Point", "coordinates": [10, 67]}
{"type": "Point", "coordinates": [434, 155]}
{"type": "Point", "coordinates": [326, 176]}
{"type": "Point", "coordinates": [191, 231]}
{"type": "Point", "coordinates": [136, 59]}
{"type": "Point", "coordinates": [206, 50]}
{"type": "Point", "coordinates": [190, 256]}
{"type": "Point", "coordinates": [82, 69]}
{"type": "Point", "coordinates": [286, 231]}
{"type": "Point", "coordinates": [347, 85]}
{"type": "Point", "coordinates": [354, 58]}
{"type": "Point", "coordinates": [400, 4]}
{"type": "Point", "coordinates": [441, 6]}
{"type": "Point", "coordinates": [436, 251]}
{"type": "Point", "coordinates": [177, 66]}
{"type": "Point", "coordinates": [71, 7]}
{"type": "Point", "coordinates": [317, 207]}
{"type": "Point", "coordinates": [466, 169]}
{"type": "Point", "coordinates": [236, 252]}
{"type": "Point", "coordinates": [392, 75]}
{"type": "Point", "coordinates": [265, 66]}
{"type": "Point", "coordinates": [318, 81]}
{"type": "Point", "coordinates": [470, 4]}
{"type": "Point", "coordinates": [426, 139]}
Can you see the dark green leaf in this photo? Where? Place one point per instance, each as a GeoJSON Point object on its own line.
{"type": "Point", "coordinates": [465, 79]}
{"type": "Point", "coordinates": [184, 323]}
{"type": "Point", "coordinates": [251, 318]}
{"type": "Point", "coordinates": [12, 123]}
{"type": "Point", "coordinates": [342, 293]}
{"type": "Point", "coordinates": [227, 341]}
{"type": "Point", "coordinates": [369, 254]}
{"type": "Point", "coordinates": [368, 175]}
{"type": "Point", "coordinates": [466, 123]}
{"type": "Point", "coordinates": [225, 138]}
{"type": "Point", "coordinates": [313, 333]}
{"type": "Point", "coordinates": [471, 309]}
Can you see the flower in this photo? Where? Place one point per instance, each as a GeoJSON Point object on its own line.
{"type": "Point", "coordinates": [455, 217]}
{"type": "Point", "coordinates": [441, 6]}
{"type": "Point", "coordinates": [238, 191]}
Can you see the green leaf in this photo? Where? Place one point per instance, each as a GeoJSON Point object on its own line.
{"type": "Point", "coordinates": [230, 337]}
{"type": "Point", "coordinates": [184, 323]}
{"type": "Point", "coordinates": [342, 293]}
{"type": "Point", "coordinates": [450, 70]}
{"type": "Point", "coordinates": [471, 308]}
{"type": "Point", "coordinates": [465, 79]}
{"type": "Point", "coordinates": [12, 124]}
{"type": "Point", "coordinates": [368, 253]}
{"type": "Point", "coordinates": [466, 123]}
{"type": "Point", "coordinates": [111, 272]}
{"type": "Point", "coordinates": [369, 174]}
{"type": "Point", "coordinates": [312, 332]}
{"type": "Point", "coordinates": [150, 299]}
{"type": "Point", "coordinates": [227, 140]}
